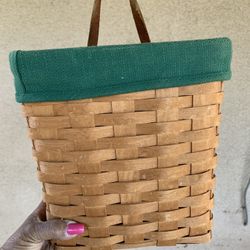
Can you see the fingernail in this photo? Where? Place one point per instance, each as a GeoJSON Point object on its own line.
{"type": "Point", "coordinates": [75, 229]}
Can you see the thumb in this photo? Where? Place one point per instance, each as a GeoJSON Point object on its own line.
{"type": "Point", "coordinates": [56, 230]}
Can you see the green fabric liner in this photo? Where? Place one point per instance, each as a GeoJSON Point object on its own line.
{"type": "Point", "coordinates": [84, 72]}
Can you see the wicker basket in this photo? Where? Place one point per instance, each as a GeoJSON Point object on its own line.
{"type": "Point", "coordinates": [134, 163]}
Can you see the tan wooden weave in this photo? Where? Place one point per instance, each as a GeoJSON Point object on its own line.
{"type": "Point", "coordinates": [137, 168]}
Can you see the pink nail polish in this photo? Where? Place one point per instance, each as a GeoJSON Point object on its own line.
{"type": "Point", "coordinates": [75, 228]}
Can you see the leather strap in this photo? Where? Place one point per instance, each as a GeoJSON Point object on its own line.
{"type": "Point", "coordinates": [139, 22]}
{"type": "Point", "coordinates": [137, 15]}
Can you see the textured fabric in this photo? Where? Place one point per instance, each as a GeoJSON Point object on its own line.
{"type": "Point", "coordinates": [85, 72]}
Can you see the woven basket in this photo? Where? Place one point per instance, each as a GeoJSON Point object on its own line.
{"type": "Point", "coordinates": [133, 162]}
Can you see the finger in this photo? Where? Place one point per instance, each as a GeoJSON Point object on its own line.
{"type": "Point", "coordinates": [47, 246]}
{"type": "Point", "coordinates": [56, 230]}
{"type": "Point", "coordinates": [39, 213]}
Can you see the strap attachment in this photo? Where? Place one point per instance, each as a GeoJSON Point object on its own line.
{"type": "Point", "coordinates": [138, 19]}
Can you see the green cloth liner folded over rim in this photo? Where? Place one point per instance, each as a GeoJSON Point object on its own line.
{"type": "Point", "coordinates": [85, 72]}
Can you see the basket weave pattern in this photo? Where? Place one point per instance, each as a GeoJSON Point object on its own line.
{"type": "Point", "coordinates": [137, 168]}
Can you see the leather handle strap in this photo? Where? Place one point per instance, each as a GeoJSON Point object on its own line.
{"type": "Point", "coordinates": [137, 15]}
{"type": "Point", "coordinates": [139, 22]}
{"type": "Point", "coordinates": [94, 24]}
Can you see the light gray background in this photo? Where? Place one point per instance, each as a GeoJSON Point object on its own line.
{"type": "Point", "coordinates": [34, 24]}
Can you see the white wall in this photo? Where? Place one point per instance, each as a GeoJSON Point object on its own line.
{"type": "Point", "coordinates": [34, 24]}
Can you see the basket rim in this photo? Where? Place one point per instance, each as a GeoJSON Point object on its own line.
{"type": "Point", "coordinates": [85, 72]}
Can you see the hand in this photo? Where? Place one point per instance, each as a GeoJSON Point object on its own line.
{"type": "Point", "coordinates": [35, 232]}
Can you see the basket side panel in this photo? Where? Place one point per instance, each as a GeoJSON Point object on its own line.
{"type": "Point", "coordinates": [137, 169]}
